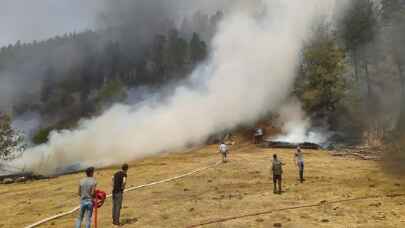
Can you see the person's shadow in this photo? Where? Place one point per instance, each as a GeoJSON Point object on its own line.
{"type": "Point", "coordinates": [129, 221]}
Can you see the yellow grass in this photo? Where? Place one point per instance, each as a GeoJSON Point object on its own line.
{"type": "Point", "coordinates": [239, 187]}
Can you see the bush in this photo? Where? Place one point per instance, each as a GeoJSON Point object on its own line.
{"type": "Point", "coordinates": [41, 136]}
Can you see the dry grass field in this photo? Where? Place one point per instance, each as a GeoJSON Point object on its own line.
{"type": "Point", "coordinates": [241, 186]}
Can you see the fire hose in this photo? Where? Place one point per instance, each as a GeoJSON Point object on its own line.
{"type": "Point", "coordinates": [226, 219]}
{"type": "Point", "coordinates": [126, 190]}
{"type": "Point", "coordinates": [98, 202]}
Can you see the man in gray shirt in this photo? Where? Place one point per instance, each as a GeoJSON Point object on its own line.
{"type": "Point", "coordinates": [87, 189]}
{"type": "Point", "coordinates": [277, 169]}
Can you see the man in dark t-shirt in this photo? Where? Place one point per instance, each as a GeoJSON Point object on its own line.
{"type": "Point", "coordinates": [119, 181]}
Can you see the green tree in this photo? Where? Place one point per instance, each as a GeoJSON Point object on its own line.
{"type": "Point", "coordinates": [391, 10]}
{"type": "Point", "coordinates": [113, 91]}
{"type": "Point", "coordinates": [11, 142]}
{"type": "Point", "coordinates": [48, 85]}
{"type": "Point", "coordinates": [41, 136]}
{"type": "Point", "coordinates": [321, 85]}
{"type": "Point", "coordinates": [393, 14]}
{"type": "Point", "coordinates": [357, 30]}
{"type": "Point", "coordinates": [178, 48]}
{"type": "Point", "coordinates": [159, 57]}
{"type": "Point", "coordinates": [198, 49]}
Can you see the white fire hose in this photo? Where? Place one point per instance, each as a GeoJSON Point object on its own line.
{"type": "Point", "coordinates": [126, 190]}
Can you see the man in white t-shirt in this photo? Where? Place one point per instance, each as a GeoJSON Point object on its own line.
{"type": "Point", "coordinates": [258, 135]}
{"type": "Point", "coordinates": [223, 149]}
{"type": "Point", "coordinates": [299, 160]}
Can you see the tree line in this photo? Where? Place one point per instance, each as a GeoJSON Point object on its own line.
{"type": "Point", "coordinates": [77, 75]}
{"type": "Point", "coordinates": [351, 71]}
{"type": "Point", "coordinates": [351, 76]}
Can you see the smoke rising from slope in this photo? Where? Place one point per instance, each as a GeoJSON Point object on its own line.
{"type": "Point", "coordinates": [21, 80]}
{"type": "Point", "coordinates": [250, 72]}
{"type": "Point", "coordinates": [297, 127]}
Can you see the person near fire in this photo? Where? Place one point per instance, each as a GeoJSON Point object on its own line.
{"type": "Point", "coordinates": [223, 150]}
{"type": "Point", "coordinates": [299, 161]}
{"type": "Point", "coordinates": [119, 181]}
{"type": "Point", "coordinates": [258, 136]}
{"type": "Point", "coordinates": [87, 188]}
{"type": "Point", "coordinates": [277, 170]}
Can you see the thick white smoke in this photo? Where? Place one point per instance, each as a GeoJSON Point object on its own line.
{"type": "Point", "coordinates": [250, 72]}
{"type": "Point", "coordinates": [296, 127]}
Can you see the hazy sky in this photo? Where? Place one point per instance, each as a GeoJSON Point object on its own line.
{"type": "Point", "coordinates": [28, 20]}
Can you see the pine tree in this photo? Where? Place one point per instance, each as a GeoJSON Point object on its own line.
{"type": "Point", "coordinates": [11, 143]}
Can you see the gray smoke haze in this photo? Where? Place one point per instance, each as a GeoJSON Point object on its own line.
{"type": "Point", "coordinates": [250, 72]}
{"type": "Point", "coordinates": [37, 20]}
{"type": "Point", "coordinates": [132, 22]}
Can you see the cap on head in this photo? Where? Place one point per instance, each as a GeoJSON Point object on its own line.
{"type": "Point", "coordinates": [90, 171]}
{"type": "Point", "coordinates": [125, 167]}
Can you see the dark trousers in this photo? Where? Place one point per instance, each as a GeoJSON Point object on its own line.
{"type": "Point", "coordinates": [224, 156]}
{"type": "Point", "coordinates": [116, 210]}
{"type": "Point", "coordinates": [258, 139]}
{"type": "Point", "coordinates": [277, 181]}
{"type": "Point", "coordinates": [301, 170]}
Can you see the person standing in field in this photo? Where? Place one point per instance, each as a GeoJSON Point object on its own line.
{"type": "Point", "coordinates": [299, 160]}
{"type": "Point", "coordinates": [119, 181]}
{"type": "Point", "coordinates": [277, 170]}
{"type": "Point", "coordinates": [87, 190]}
{"type": "Point", "coordinates": [258, 136]}
{"type": "Point", "coordinates": [223, 149]}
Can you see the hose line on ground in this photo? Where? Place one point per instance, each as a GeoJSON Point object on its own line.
{"type": "Point", "coordinates": [126, 190]}
{"type": "Point", "coordinates": [219, 220]}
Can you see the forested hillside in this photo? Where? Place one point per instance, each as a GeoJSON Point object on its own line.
{"type": "Point", "coordinates": [352, 71]}
{"type": "Point", "coordinates": [351, 78]}
{"type": "Point", "coordinates": [78, 75]}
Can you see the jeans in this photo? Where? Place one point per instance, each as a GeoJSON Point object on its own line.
{"type": "Point", "coordinates": [116, 210]}
{"type": "Point", "coordinates": [224, 156]}
{"type": "Point", "coordinates": [301, 170]}
{"type": "Point", "coordinates": [86, 208]}
{"type": "Point", "coordinates": [277, 179]}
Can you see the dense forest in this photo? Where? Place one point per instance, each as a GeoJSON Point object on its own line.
{"type": "Point", "coordinates": [78, 75]}
{"type": "Point", "coordinates": [352, 71]}
{"type": "Point", "coordinates": [351, 75]}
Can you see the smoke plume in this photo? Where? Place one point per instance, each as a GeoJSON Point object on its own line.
{"type": "Point", "coordinates": [296, 126]}
{"type": "Point", "coordinates": [21, 82]}
{"type": "Point", "coordinates": [251, 69]}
